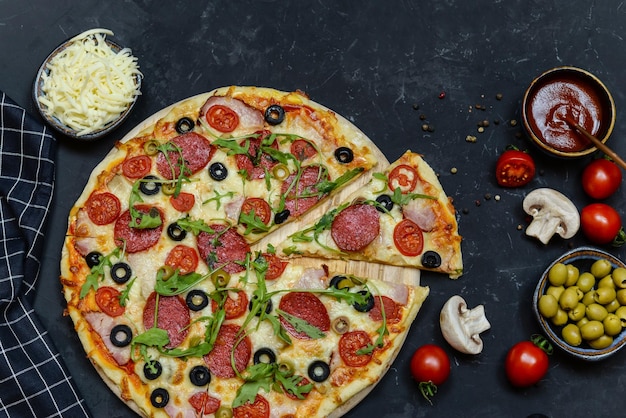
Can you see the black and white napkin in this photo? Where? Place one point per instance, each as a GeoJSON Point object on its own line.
{"type": "Point", "coordinates": [33, 379]}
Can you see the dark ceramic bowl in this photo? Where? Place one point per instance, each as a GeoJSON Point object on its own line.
{"type": "Point", "coordinates": [573, 92]}
{"type": "Point", "coordinates": [55, 123]}
{"type": "Point", "coordinates": [582, 258]}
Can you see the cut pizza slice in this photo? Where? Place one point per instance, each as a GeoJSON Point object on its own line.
{"type": "Point", "coordinates": [402, 217]}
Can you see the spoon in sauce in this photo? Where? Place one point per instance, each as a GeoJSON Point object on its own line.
{"type": "Point", "coordinates": [598, 144]}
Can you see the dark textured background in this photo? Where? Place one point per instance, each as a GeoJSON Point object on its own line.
{"type": "Point", "coordinates": [372, 62]}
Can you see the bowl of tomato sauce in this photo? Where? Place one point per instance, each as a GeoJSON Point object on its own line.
{"type": "Point", "coordinates": [567, 93]}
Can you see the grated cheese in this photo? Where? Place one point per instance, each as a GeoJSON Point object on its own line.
{"type": "Point", "coordinates": [88, 85]}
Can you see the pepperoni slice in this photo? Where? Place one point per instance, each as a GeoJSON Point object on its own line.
{"type": "Point", "coordinates": [253, 164]}
{"type": "Point", "coordinates": [408, 238]}
{"type": "Point", "coordinates": [218, 359]}
{"type": "Point", "coordinates": [135, 239]}
{"type": "Point", "coordinates": [172, 316]}
{"type": "Point", "coordinates": [183, 202]}
{"type": "Point", "coordinates": [204, 404]}
{"type": "Point", "coordinates": [403, 176]}
{"type": "Point", "coordinates": [223, 249]}
{"type": "Point", "coordinates": [259, 207]}
{"type": "Point", "coordinates": [305, 306]}
{"type": "Point", "coordinates": [260, 408]}
{"type": "Point", "coordinates": [183, 258]}
{"type": "Point", "coordinates": [234, 307]}
{"type": "Point", "coordinates": [137, 167]}
{"type": "Point", "coordinates": [108, 300]}
{"type": "Point", "coordinates": [392, 310]}
{"type": "Point", "coordinates": [222, 118]}
{"type": "Point", "coordinates": [103, 208]}
{"type": "Point", "coordinates": [302, 149]}
{"type": "Point", "coordinates": [301, 193]}
{"type": "Point", "coordinates": [350, 343]}
{"type": "Point", "coordinates": [275, 266]}
{"type": "Point", "coordinates": [359, 217]}
{"type": "Point", "coordinates": [195, 151]}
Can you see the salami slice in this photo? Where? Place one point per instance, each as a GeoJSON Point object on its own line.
{"type": "Point", "coordinates": [256, 162]}
{"type": "Point", "coordinates": [392, 310]}
{"type": "Point", "coordinates": [305, 306]}
{"type": "Point", "coordinates": [301, 193]}
{"type": "Point", "coordinates": [172, 316]}
{"type": "Point", "coordinates": [134, 239]}
{"type": "Point", "coordinates": [195, 151]}
{"type": "Point", "coordinates": [223, 249]}
{"type": "Point", "coordinates": [204, 404]}
{"type": "Point", "coordinates": [355, 227]}
{"type": "Point", "coordinates": [218, 359]}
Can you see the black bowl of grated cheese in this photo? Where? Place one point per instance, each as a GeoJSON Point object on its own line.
{"type": "Point", "coordinates": [87, 86]}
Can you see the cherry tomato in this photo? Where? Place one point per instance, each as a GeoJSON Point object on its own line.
{"type": "Point", "coordinates": [430, 367]}
{"type": "Point", "coordinates": [108, 300]}
{"type": "Point", "coordinates": [403, 176]}
{"type": "Point", "coordinates": [514, 169]}
{"type": "Point", "coordinates": [222, 118]}
{"type": "Point", "coordinates": [183, 202]}
{"type": "Point", "coordinates": [526, 362]}
{"type": "Point", "coordinates": [600, 223]}
{"type": "Point", "coordinates": [183, 258]}
{"type": "Point", "coordinates": [275, 266]}
{"type": "Point", "coordinates": [137, 167]}
{"type": "Point", "coordinates": [601, 178]}
{"type": "Point", "coordinates": [258, 207]}
{"type": "Point", "coordinates": [408, 238]}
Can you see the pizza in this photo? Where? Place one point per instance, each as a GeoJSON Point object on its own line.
{"type": "Point", "coordinates": [403, 218]}
{"type": "Point", "coordinates": [173, 278]}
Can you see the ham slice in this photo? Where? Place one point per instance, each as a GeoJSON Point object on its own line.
{"type": "Point", "coordinates": [103, 324]}
{"type": "Point", "coordinates": [312, 279]}
{"type": "Point", "coordinates": [250, 119]}
{"type": "Point", "coordinates": [421, 212]}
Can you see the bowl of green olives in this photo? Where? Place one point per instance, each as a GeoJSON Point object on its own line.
{"type": "Point", "coordinates": [580, 302]}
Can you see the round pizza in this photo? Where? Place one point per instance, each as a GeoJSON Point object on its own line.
{"type": "Point", "coordinates": [178, 273]}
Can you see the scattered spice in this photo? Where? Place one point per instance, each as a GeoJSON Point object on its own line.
{"type": "Point", "coordinates": [513, 122]}
{"type": "Point", "coordinates": [422, 117]}
{"type": "Point", "coordinates": [470, 138]}
{"type": "Point", "coordinates": [465, 211]}
{"type": "Point", "coordinates": [519, 227]}
{"type": "Point", "coordinates": [497, 198]}
{"type": "Point", "coordinates": [487, 196]}
{"type": "Point", "coordinates": [442, 95]}
{"type": "Point", "coordinates": [416, 106]}
{"type": "Point", "coordinates": [453, 170]}
{"type": "Point", "coordinates": [481, 129]}
{"type": "Point", "coordinates": [477, 202]}
{"type": "Point", "coordinates": [499, 96]}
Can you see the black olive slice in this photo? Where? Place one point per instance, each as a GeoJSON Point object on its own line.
{"type": "Point", "coordinates": [218, 171]}
{"type": "Point", "coordinates": [176, 232]}
{"type": "Point", "coordinates": [281, 216]}
{"type": "Point", "coordinates": [344, 155]}
{"type": "Point", "coordinates": [341, 282]}
{"type": "Point", "coordinates": [264, 355]}
{"type": "Point", "coordinates": [93, 259]}
{"type": "Point", "coordinates": [197, 300]}
{"type": "Point", "coordinates": [368, 305]}
{"type": "Point", "coordinates": [149, 185]}
{"type": "Point", "coordinates": [274, 114]}
{"type": "Point", "coordinates": [385, 202]}
{"type": "Point", "coordinates": [268, 306]}
{"type": "Point", "coordinates": [319, 371]}
{"type": "Point", "coordinates": [121, 272]}
{"type": "Point", "coordinates": [200, 375]}
{"type": "Point", "coordinates": [121, 335]}
{"type": "Point", "coordinates": [152, 369]}
{"type": "Point", "coordinates": [184, 125]}
{"type": "Point", "coordinates": [159, 397]}
{"type": "Point", "coordinates": [431, 259]}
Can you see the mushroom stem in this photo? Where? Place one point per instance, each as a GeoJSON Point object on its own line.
{"type": "Point", "coordinates": [461, 327]}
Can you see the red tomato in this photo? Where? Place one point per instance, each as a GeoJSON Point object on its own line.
{"type": "Point", "coordinates": [408, 238]}
{"type": "Point", "coordinates": [103, 208]}
{"type": "Point", "coordinates": [137, 167]}
{"type": "Point", "coordinates": [601, 178]}
{"type": "Point", "coordinates": [526, 364]}
{"type": "Point", "coordinates": [260, 408]}
{"type": "Point", "coordinates": [234, 306]}
{"type": "Point", "coordinates": [183, 202]}
{"type": "Point", "coordinates": [222, 118]}
{"type": "Point", "coordinates": [430, 363]}
{"type": "Point", "coordinates": [275, 266]}
{"type": "Point", "coordinates": [259, 207]}
{"type": "Point", "coordinates": [514, 169]}
{"type": "Point", "coordinates": [403, 176]}
{"type": "Point", "coordinates": [108, 300]}
{"type": "Point", "coordinates": [183, 258]}
{"type": "Point", "coordinates": [600, 223]}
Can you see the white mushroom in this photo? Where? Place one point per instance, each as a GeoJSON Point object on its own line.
{"type": "Point", "coordinates": [461, 327]}
{"type": "Point", "coordinates": [553, 213]}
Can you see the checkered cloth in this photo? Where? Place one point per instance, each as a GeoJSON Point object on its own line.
{"type": "Point", "coordinates": [33, 379]}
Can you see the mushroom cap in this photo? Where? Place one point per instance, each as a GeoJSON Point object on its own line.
{"type": "Point", "coordinates": [552, 213]}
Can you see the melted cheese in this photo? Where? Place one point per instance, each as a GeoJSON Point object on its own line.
{"type": "Point", "coordinates": [88, 85]}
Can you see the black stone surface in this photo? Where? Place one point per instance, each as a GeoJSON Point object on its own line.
{"type": "Point", "coordinates": [375, 63]}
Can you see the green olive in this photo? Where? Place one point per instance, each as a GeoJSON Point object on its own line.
{"type": "Point", "coordinates": [577, 313]}
{"type": "Point", "coordinates": [621, 314]}
{"type": "Point", "coordinates": [589, 297]}
{"type": "Point", "coordinates": [612, 306]}
{"type": "Point", "coordinates": [572, 275]}
{"type": "Point", "coordinates": [220, 278]}
{"type": "Point", "coordinates": [619, 277]}
{"type": "Point", "coordinates": [621, 296]}
{"type": "Point", "coordinates": [601, 342]}
{"type": "Point", "coordinates": [165, 272]}
{"type": "Point", "coordinates": [606, 281]}
{"type": "Point", "coordinates": [604, 295]}
{"type": "Point", "coordinates": [224, 412]}
{"type": "Point", "coordinates": [168, 188]}
{"type": "Point", "coordinates": [560, 318]}
{"type": "Point", "coordinates": [280, 171]}
{"type": "Point", "coordinates": [151, 147]}
{"type": "Point", "coordinates": [586, 281]}
{"type": "Point", "coordinates": [555, 291]}
{"type": "Point", "coordinates": [557, 275]}
{"type": "Point", "coordinates": [571, 335]}
{"type": "Point", "coordinates": [582, 322]}
{"type": "Point", "coordinates": [612, 325]}
{"type": "Point", "coordinates": [596, 312]}
{"type": "Point", "coordinates": [601, 268]}
{"type": "Point", "coordinates": [568, 299]}
{"type": "Point", "coordinates": [548, 306]}
{"type": "Point", "coordinates": [592, 330]}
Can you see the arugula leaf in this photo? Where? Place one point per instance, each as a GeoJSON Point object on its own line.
{"type": "Point", "coordinates": [402, 199]}
{"type": "Point", "coordinates": [267, 376]}
{"type": "Point", "coordinates": [123, 298]}
{"type": "Point", "coordinates": [194, 226]}
{"type": "Point", "coordinates": [218, 198]}
{"type": "Point", "coordinates": [140, 220]}
{"type": "Point", "coordinates": [232, 146]}
{"type": "Point", "coordinates": [327, 186]}
{"type": "Point", "coordinates": [153, 337]}
{"type": "Point", "coordinates": [252, 222]}
{"type": "Point", "coordinates": [97, 272]}
{"type": "Point", "coordinates": [177, 283]}
{"type": "Point", "coordinates": [382, 177]}
{"type": "Point", "coordinates": [301, 325]}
